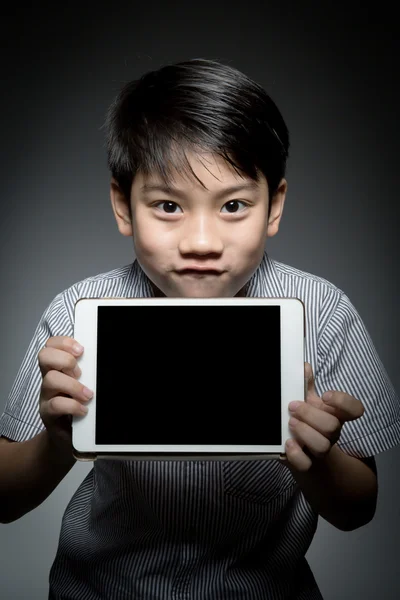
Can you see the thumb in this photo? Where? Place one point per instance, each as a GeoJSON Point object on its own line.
{"type": "Point", "coordinates": [311, 393]}
{"type": "Point", "coordinates": [309, 381]}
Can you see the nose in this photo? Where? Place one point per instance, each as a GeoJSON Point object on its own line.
{"type": "Point", "coordinates": [200, 236]}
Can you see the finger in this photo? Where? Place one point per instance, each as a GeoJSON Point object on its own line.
{"type": "Point", "coordinates": [62, 405]}
{"type": "Point", "coordinates": [55, 383]}
{"type": "Point", "coordinates": [317, 444]}
{"type": "Point", "coordinates": [53, 359]}
{"type": "Point", "coordinates": [312, 396]}
{"type": "Point", "coordinates": [321, 405]}
{"type": "Point", "coordinates": [346, 407]}
{"type": "Point", "coordinates": [308, 370]}
{"type": "Point", "coordinates": [325, 423]}
{"type": "Point", "coordinates": [311, 392]}
{"type": "Point", "coordinates": [296, 457]}
{"type": "Point", "coordinates": [63, 342]}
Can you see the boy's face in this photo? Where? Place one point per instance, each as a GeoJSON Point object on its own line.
{"type": "Point", "coordinates": [189, 227]}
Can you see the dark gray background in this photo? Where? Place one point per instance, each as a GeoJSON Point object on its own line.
{"type": "Point", "coordinates": [333, 71]}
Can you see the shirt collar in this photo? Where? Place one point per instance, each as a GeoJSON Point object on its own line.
{"type": "Point", "coordinates": [265, 281]}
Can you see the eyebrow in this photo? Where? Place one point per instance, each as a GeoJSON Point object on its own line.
{"type": "Point", "coordinates": [171, 190]}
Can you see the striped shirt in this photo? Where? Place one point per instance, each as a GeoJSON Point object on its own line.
{"type": "Point", "coordinates": [205, 530]}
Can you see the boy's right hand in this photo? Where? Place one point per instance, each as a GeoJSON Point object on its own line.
{"type": "Point", "coordinates": [61, 395]}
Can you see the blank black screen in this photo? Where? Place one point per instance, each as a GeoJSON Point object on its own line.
{"type": "Point", "coordinates": [188, 375]}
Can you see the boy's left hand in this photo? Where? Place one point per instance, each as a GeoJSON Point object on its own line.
{"type": "Point", "coordinates": [317, 423]}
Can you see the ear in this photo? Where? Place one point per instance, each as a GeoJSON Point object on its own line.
{"type": "Point", "coordinates": [121, 208]}
{"type": "Point", "coordinates": [277, 204]}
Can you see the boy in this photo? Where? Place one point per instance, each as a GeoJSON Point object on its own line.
{"type": "Point", "coordinates": [197, 153]}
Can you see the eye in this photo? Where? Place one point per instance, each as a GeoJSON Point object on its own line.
{"type": "Point", "coordinates": [233, 206]}
{"type": "Point", "coordinates": [167, 206]}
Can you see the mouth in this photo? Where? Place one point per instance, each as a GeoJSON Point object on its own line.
{"type": "Point", "coordinates": [199, 272]}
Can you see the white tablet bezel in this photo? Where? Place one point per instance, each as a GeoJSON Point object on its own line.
{"type": "Point", "coordinates": [292, 380]}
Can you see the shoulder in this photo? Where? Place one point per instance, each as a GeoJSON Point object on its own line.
{"type": "Point", "coordinates": [309, 287]}
{"type": "Point", "coordinates": [327, 306]}
{"type": "Point", "coordinates": [112, 281]}
{"type": "Point", "coordinates": [321, 297]}
{"type": "Point", "coordinates": [124, 281]}
{"type": "Point", "coordinates": [292, 276]}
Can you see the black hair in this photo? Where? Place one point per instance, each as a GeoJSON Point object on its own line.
{"type": "Point", "coordinates": [198, 104]}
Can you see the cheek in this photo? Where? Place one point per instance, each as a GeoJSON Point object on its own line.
{"type": "Point", "coordinates": [151, 243]}
{"type": "Point", "coordinates": [146, 243]}
{"type": "Point", "coordinates": [144, 232]}
{"type": "Point", "coordinates": [252, 234]}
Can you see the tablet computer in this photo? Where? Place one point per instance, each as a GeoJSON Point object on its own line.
{"type": "Point", "coordinates": [188, 378]}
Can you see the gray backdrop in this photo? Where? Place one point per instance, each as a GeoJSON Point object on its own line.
{"type": "Point", "coordinates": [334, 74]}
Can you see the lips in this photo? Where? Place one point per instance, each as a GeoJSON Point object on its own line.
{"type": "Point", "coordinates": [199, 271]}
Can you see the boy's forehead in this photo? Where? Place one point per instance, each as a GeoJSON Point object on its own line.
{"type": "Point", "coordinates": [213, 171]}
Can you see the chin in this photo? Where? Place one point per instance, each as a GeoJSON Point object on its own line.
{"type": "Point", "coordinates": [198, 289]}
{"type": "Point", "coordinates": [205, 292]}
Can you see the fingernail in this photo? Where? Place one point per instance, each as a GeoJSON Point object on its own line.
{"type": "Point", "coordinates": [327, 396]}
{"type": "Point", "coordinates": [77, 348]}
{"type": "Point", "coordinates": [293, 421]}
{"type": "Point", "coordinates": [88, 393]}
{"type": "Point", "coordinates": [294, 405]}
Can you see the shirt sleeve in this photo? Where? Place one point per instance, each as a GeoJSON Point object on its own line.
{"type": "Point", "coordinates": [348, 362]}
{"type": "Point", "coordinates": [21, 419]}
